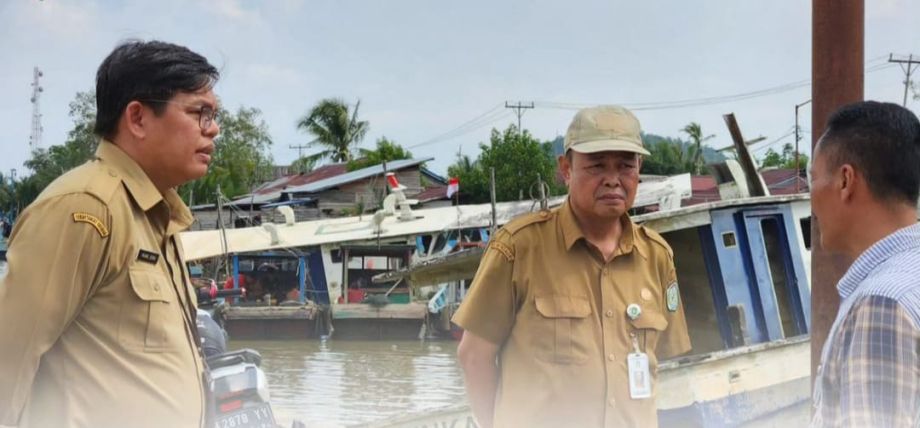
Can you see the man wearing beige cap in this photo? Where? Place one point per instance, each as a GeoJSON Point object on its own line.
{"type": "Point", "coordinates": [572, 308]}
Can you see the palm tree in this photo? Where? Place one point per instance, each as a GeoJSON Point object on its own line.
{"type": "Point", "coordinates": [334, 129]}
{"type": "Point", "coordinates": [695, 132]}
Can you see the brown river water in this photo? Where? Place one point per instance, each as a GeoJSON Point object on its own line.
{"type": "Point", "coordinates": [341, 383]}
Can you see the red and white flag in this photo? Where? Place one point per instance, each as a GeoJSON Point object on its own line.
{"type": "Point", "coordinates": [453, 186]}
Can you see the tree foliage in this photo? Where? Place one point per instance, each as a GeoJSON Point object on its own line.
{"type": "Point", "coordinates": [241, 159]}
{"type": "Point", "coordinates": [695, 132]}
{"type": "Point", "coordinates": [336, 130]}
{"type": "Point", "coordinates": [304, 165]}
{"type": "Point", "coordinates": [386, 151]}
{"type": "Point", "coordinates": [48, 164]}
{"type": "Point", "coordinates": [670, 156]}
{"type": "Point", "coordinates": [518, 158]}
{"type": "Point", "coordinates": [784, 159]}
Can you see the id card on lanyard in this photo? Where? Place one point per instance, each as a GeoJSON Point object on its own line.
{"type": "Point", "coordinates": [640, 379]}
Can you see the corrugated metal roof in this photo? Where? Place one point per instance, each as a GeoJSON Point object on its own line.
{"type": "Point", "coordinates": [360, 174]}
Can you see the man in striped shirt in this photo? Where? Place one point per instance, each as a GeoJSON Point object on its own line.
{"type": "Point", "coordinates": [865, 181]}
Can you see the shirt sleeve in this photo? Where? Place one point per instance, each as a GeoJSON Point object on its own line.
{"type": "Point", "coordinates": [489, 308]}
{"type": "Point", "coordinates": [675, 340]}
{"type": "Point", "coordinates": [54, 259]}
{"type": "Point", "coordinates": [880, 370]}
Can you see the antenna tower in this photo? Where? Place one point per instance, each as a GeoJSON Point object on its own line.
{"type": "Point", "coordinates": [35, 139]}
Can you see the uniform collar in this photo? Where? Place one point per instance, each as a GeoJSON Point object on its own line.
{"type": "Point", "coordinates": [140, 187]}
{"type": "Point", "coordinates": [571, 232]}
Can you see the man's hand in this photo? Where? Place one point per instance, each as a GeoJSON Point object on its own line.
{"type": "Point", "coordinates": [477, 358]}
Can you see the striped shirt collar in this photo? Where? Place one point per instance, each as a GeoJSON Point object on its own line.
{"type": "Point", "coordinates": [899, 241]}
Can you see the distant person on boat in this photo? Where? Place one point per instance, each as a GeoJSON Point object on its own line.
{"type": "Point", "coordinates": [97, 313]}
{"type": "Point", "coordinates": [291, 296]}
{"type": "Point", "coordinates": [865, 181]}
{"type": "Point", "coordinates": [571, 309]}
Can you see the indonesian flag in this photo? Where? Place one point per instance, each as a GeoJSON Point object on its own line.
{"type": "Point", "coordinates": [453, 186]}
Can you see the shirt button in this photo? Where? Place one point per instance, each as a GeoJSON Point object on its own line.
{"type": "Point", "coordinates": [611, 357]}
{"type": "Point", "coordinates": [608, 314]}
{"type": "Point", "coordinates": [612, 402]}
{"type": "Point", "coordinates": [156, 288]}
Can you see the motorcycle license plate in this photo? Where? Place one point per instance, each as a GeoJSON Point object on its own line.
{"type": "Point", "coordinates": [254, 417]}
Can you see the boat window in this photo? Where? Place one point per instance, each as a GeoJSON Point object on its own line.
{"type": "Point", "coordinates": [336, 256]}
{"type": "Point", "coordinates": [728, 240]}
{"type": "Point", "coordinates": [805, 222]}
{"type": "Point", "coordinates": [781, 286]}
{"type": "Point", "coordinates": [695, 290]}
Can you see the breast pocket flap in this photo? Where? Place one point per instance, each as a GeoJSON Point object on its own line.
{"type": "Point", "coordinates": [650, 320]}
{"type": "Point", "coordinates": [149, 286]}
{"type": "Point", "coordinates": [562, 306]}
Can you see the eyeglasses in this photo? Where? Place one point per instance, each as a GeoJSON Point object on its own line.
{"type": "Point", "coordinates": [206, 114]}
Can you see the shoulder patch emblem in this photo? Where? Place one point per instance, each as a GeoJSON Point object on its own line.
{"type": "Point", "coordinates": [673, 297]}
{"type": "Point", "coordinates": [94, 221]}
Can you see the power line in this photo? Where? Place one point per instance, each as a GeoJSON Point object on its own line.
{"type": "Point", "coordinates": [694, 102]}
{"type": "Point", "coordinates": [488, 117]}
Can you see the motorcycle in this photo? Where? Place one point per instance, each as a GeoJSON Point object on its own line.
{"type": "Point", "coordinates": [239, 393]}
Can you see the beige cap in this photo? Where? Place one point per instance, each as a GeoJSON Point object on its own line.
{"type": "Point", "coordinates": [604, 128]}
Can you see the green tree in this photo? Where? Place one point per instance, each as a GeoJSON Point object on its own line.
{"type": "Point", "coordinates": [334, 128]}
{"type": "Point", "coordinates": [48, 164]}
{"type": "Point", "coordinates": [518, 158]}
{"type": "Point", "coordinates": [386, 151]}
{"type": "Point", "coordinates": [304, 165]}
{"type": "Point", "coordinates": [785, 159]}
{"type": "Point", "coordinates": [241, 159]}
{"type": "Point", "coordinates": [670, 156]}
{"type": "Point", "coordinates": [695, 132]}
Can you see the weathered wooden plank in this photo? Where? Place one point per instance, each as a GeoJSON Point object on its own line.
{"type": "Point", "coordinates": [413, 310]}
{"type": "Point", "coordinates": [270, 312]}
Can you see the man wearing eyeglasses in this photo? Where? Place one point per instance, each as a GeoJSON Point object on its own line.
{"type": "Point", "coordinates": [97, 313]}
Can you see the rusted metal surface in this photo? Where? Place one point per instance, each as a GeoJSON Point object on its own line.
{"type": "Point", "coordinates": [838, 35]}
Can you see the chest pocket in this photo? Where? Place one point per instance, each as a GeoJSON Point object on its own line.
{"type": "Point", "coordinates": [648, 328]}
{"type": "Point", "coordinates": [151, 319]}
{"type": "Point", "coordinates": [562, 332]}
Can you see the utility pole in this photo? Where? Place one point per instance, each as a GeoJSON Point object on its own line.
{"type": "Point", "coordinates": [797, 138]}
{"type": "Point", "coordinates": [837, 76]}
{"type": "Point", "coordinates": [907, 65]}
{"type": "Point", "coordinates": [300, 154]}
{"type": "Point", "coordinates": [35, 139]}
{"type": "Point", "coordinates": [519, 111]}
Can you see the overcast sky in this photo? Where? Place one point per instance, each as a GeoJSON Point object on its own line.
{"type": "Point", "coordinates": [422, 69]}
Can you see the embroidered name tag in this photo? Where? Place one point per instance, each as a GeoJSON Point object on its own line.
{"type": "Point", "coordinates": [94, 221]}
{"type": "Point", "coordinates": [147, 256]}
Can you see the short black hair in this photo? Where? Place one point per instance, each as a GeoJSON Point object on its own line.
{"type": "Point", "coordinates": [882, 141]}
{"type": "Point", "coordinates": [153, 70]}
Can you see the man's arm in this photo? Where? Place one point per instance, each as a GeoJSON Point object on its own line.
{"type": "Point", "coordinates": [486, 316]}
{"type": "Point", "coordinates": [880, 371]}
{"type": "Point", "coordinates": [480, 372]}
{"type": "Point", "coordinates": [52, 262]}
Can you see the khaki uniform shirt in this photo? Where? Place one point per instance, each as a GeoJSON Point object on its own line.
{"type": "Point", "coordinates": [558, 311]}
{"type": "Point", "coordinates": [93, 309]}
